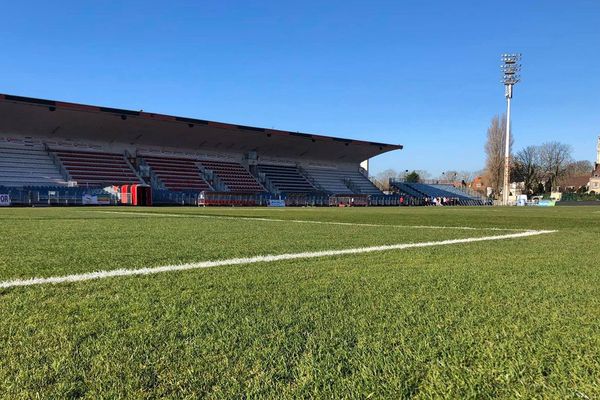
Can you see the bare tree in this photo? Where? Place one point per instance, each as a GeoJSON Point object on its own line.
{"type": "Point", "coordinates": [467, 176]}
{"type": "Point", "coordinates": [575, 169]}
{"type": "Point", "coordinates": [450, 175]}
{"type": "Point", "coordinates": [527, 167]}
{"type": "Point", "coordinates": [580, 168]}
{"type": "Point", "coordinates": [494, 151]}
{"type": "Point", "coordinates": [383, 178]}
{"type": "Point", "coordinates": [554, 158]}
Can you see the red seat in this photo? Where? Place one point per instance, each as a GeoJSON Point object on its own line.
{"type": "Point", "coordinates": [177, 173]}
{"type": "Point", "coordinates": [97, 168]}
{"type": "Point", "coordinates": [234, 176]}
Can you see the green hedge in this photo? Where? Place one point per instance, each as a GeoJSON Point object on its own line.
{"type": "Point", "coordinates": [580, 197]}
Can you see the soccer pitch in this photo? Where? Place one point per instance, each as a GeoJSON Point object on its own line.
{"type": "Point", "coordinates": [300, 302]}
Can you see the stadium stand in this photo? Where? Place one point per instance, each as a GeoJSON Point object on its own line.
{"type": "Point", "coordinates": [405, 189]}
{"type": "Point", "coordinates": [338, 181]}
{"type": "Point", "coordinates": [177, 173]}
{"type": "Point", "coordinates": [233, 175]}
{"type": "Point", "coordinates": [286, 178]}
{"type": "Point", "coordinates": [423, 190]}
{"type": "Point", "coordinates": [456, 191]}
{"type": "Point", "coordinates": [28, 165]}
{"type": "Point", "coordinates": [96, 168]}
{"type": "Point", "coordinates": [54, 152]}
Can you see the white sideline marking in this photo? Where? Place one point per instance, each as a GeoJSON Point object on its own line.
{"type": "Point", "coordinates": [252, 260]}
{"type": "Point", "coordinates": [301, 221]}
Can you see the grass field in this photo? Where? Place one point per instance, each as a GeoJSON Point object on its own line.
{"type": "Point", "coordinates": [505, 317]}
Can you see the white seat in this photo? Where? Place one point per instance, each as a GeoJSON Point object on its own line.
{"type": "Point", "coordinates": [28, 166]}
{"type": "Point", "coordinates": [334, 180]}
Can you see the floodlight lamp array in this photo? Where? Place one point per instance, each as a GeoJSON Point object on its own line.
{"type": "Point", "coordinates": [510, 68]}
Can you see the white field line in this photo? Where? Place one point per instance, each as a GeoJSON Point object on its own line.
{"type": "Point", "coordinates": [299, 221]}
{"type": "Point", "coordinates": [253, 260]}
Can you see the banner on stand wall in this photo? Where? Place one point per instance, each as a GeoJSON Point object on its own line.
{"type": "Point", "coordinates": [276, 203]}
{"type": "Point", "coordinates": [4, 200]}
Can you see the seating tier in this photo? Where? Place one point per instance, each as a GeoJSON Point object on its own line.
{"type": "Point", "coordinates": [22, 165]}
{"type": "Point", "coordinates": [338, 181]}
{"type": "Point", "coordinates": [287, 179]}
{"type": "Point", "coordinates": [177, 174]}
{"type": "Point", "coordinates": [97, 168]}
{"type": "Point", "coordinates": [233, 175]}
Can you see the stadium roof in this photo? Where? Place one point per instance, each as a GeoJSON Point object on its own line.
{"type": "Point", "coordinates": [27, 116]}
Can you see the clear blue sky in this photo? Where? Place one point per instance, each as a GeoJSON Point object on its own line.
{"type": "Point", "coordinates": [420, 73]}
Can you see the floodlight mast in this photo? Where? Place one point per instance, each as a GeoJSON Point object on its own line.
{"type": "Point", "coordinates": [511, 68]}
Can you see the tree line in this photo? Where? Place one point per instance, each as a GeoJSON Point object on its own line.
{"type": "Point", "coordinates": [542, 168]}
{"type": "Point", "coordinates": [382, 179]}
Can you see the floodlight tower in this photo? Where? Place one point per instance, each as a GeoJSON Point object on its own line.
{"type": "Point", "coordinates": [510, 76]}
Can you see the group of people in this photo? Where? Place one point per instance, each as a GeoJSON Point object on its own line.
{"type": "Point", "coordinates": [441, 201]}
{"type": "Point", "coordinates": [429, 201]}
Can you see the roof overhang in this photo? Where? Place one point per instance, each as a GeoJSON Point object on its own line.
{"type": "Point", "coordinates": [27, 116]}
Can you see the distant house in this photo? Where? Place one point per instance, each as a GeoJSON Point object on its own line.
{"type": "Point", "coordinates": [594, 181]}
{"type": "Point", "coordinates": [477, 183]}
{"type": "Point", "coordinates": [575, 183]}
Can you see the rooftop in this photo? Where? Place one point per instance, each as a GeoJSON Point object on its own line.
{"type": "Point", "coordinates": [28, 116]}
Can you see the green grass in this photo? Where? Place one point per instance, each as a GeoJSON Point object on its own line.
{"type": "Point", "coordinates": [503, 319]}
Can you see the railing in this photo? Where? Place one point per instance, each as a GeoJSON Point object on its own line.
{"type": "Point", "coordinates": [363, 171]}
{"type": "Point", "coordinates": [126, 156]}
{"type": "Point", "coordinates": [57, 161]}
{"type": "Point", "coordinates": [53, 196]}
{"type": "Point", "coordinates": [313, 200]}
{"type": "Point", "coordinates": [377, 183]}
{"type": "Point", "coordinates": [212, 179]}
{"type": "Point", "coordinates": [64, 196]}
{"type": "Point", "coordinates": [155, 181]}
{"type": "Point", "coordinates": [352, 186]}
{"type": "Point", "coordinates": [246, 166]}
{"type": "Point", "coordinates": [263, 180]}
{"type": "Point", "coordinates": [309, 178]}
{"type": "Point", "coordinates": [167, 197]}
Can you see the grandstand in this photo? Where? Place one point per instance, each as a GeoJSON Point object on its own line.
{"type": "Point", "coordinates": [175, 174]}
{"type": "Point", "coordinates": [50, 148]}
{"type": "Point", "coordinates": [233, 176]}
{"type": "Point", "coordinates": [337, 181]}
{"type": "Point", "coordinates": [28, 164]}
{"type": "Point", "coordinates": [286, 179]}
{"type": "Point", "coordinates": [96, 168]}
{"type": "Point", "coordinates": [423, 191]}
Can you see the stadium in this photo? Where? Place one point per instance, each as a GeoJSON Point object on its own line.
{"type": "Point", "coordinates": [58, 153]}
{"type": "Point", "coordinates": [427, 245]}
{"type": "Point", "coordinates": [269, 302]}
